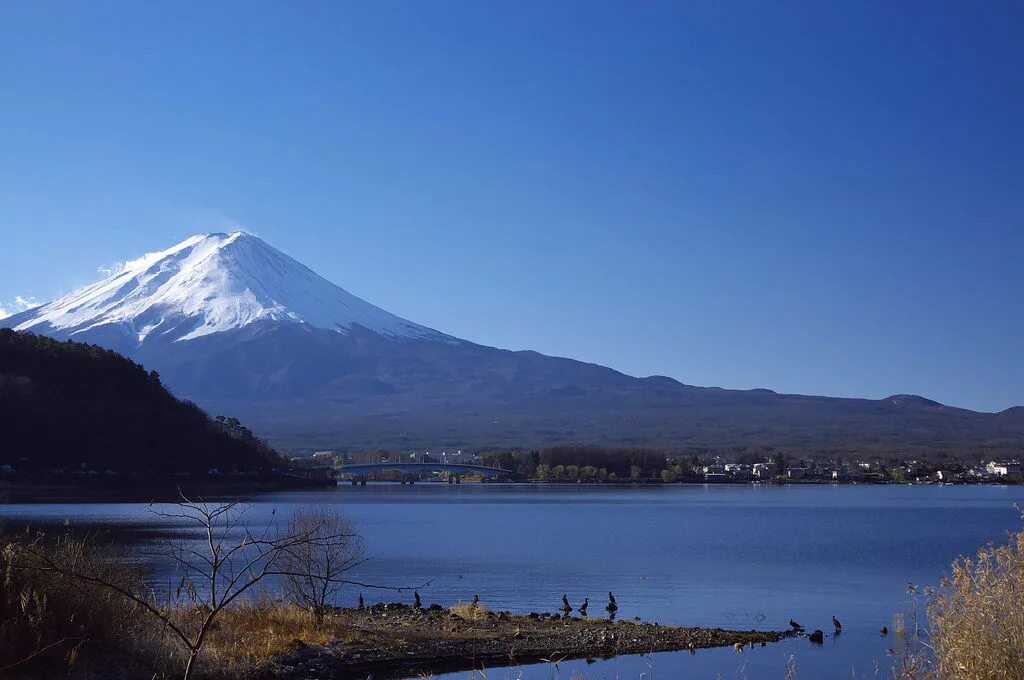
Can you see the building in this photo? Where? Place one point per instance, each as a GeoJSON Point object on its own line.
{"type": "Point", "coordinates": [796, 473]}
{"type": "Point", "coordinates": [848, 475]}
{"type": "Point", "coordinates": [763, 470]}
{"type": "Point", "coordinates": [1006, 469]}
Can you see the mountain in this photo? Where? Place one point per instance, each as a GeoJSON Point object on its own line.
{"type": "Point", "coordinates": [209, 284]}
{"type": "Point", "coordinates": [63, 404]}
{"type": "Point", "coordinates": [239, 327]}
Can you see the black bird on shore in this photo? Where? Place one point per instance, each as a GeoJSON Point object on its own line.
{"type": "Point", "coordinates": [612, 606]}
{"type": "Point", "coordinates": [796, 626]}
{"type": "Point", "coordinates": [476, 600]}
{"type": "Point", "coordinates": [416, 604]}
{"type": "Point", "coordinates": [583, 607]}
{"type": "Point", "coordinates": [362, 605]}
{"type": "Point", "coordinates": [566, 607]}
{"type": "Point", "coordinates": [839, 626]}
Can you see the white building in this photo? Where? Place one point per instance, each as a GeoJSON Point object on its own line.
{"type": "Point", "coordinates": [1003, 468]}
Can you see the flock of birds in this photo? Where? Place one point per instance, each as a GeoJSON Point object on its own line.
{"type": "Point", "coordinates": [566, 608]}
{"type": "Point", "coordinates": [817, 635]}
{"type": "Point", "coordinates": [613, 607]}
{"type": "Point", "coordinates": [835, 622]}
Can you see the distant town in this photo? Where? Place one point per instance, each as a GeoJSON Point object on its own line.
{"type": "Point", "coordinates": [599, 465]}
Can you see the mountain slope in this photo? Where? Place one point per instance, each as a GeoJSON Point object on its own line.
{"type": "Point", "coordinates": [239, 327]}
{"type": "Point", "coordinates": [208, 284]}
{"type": "Point", "coordinates": [66, 403]}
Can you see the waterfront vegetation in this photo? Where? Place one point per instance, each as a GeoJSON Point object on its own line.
{"type": "Point", "coordinates": [73, 604]}
{"type": "Point", "coordinates": [973, 623]}
{"type": "Point", "coordinates": [74, 598]}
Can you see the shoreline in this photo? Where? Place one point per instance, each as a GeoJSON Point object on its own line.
{"type": "Point", "coordinates": [166, 489]}
{"type": "Point", "coordinates": [145, 488]}
{"type": "Point", "coordinates": [396, 640]}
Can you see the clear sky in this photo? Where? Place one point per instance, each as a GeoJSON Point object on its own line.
{"type": "Point", "coordinates": [817, 197]}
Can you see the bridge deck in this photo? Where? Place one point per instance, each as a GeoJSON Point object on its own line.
{"type": "Point", "coordinates": [367, 468]}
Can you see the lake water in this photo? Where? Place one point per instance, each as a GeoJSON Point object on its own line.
{"type": "Point", "coordinates": [730, 556]}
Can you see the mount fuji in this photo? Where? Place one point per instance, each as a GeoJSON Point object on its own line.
{"type": "Point", "coordinates": [241, 328]}
{"type": "Point", "coordinates": [209, 284]}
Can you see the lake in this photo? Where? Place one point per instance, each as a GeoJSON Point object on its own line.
{"type": "Point", "coordinates": [730, 556]}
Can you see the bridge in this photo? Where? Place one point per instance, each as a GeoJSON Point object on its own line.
{"type": "Point", "coordinates": [358, 471]}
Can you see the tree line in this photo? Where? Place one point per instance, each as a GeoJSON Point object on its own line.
{"type": "Point", "coordinates": [581, 462]}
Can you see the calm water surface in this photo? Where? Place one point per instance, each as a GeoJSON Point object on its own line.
{"type": "Point", "coordinates": [731, 556]}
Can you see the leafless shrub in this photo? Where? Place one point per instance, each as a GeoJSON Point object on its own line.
{"type": "Point", "coordinates": [314, 568]}
{"type": "Point", "coordinates": [231, 561]}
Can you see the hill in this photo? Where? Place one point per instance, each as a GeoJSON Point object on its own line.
{"type": "Point", "coordinates": [68, 404]}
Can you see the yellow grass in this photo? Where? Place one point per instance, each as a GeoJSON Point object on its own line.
{"type": "Point", "coordinates": [248, 636]}
{"type": "Point", "coordinates": [470, 612]}
{"type": "Point", "coordinates": [977, 616]}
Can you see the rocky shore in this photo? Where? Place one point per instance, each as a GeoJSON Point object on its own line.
{"type": "Point", "coordinates": [396, 640]}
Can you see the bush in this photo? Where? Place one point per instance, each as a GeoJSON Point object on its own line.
{"type": "Point", "coordinates": [975, 620]}
{"type": "Point", "coordinates": [48, 619]}
{"type": "Point", "coordinates": [977, 616]}
{"type": "Point", "coordinates": [313, 569]}
{"type": "Point", "coordinates": [470, 612]}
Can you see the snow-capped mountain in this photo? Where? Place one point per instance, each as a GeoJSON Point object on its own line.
{"type": "Point", "coordinates": [209, 284]}
{"type": "Point", "coordinates": [242, 329]}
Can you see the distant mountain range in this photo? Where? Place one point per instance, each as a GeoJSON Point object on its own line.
{"type": "Point", "coordinates": [241, 328]}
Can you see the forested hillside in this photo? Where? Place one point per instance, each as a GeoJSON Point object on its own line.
{"type": "Point", "coordinates": [73, 405]}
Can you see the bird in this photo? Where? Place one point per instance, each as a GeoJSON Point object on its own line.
{"type": "Point", "coordinates": [362, 605]}
{"type": "Point", "coordinates": [416, 604]}
{"type": "Point", "coordinates": [612, 606]}
{"type": "Point", "coordinates": [885, 630]}
{"type": "Point", "coordinates": [796, 626]}
{"type": "Point", "coordinates": [583, 607]}
{"type": "Point", "coordinates": [476, 600]}
{"type": "Point", "coordinates": [839, 626]}
{"type": "Point", "coordinates": [566, 607]}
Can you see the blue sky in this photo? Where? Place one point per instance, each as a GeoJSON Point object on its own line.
{"type": "Point", "coordinates": [812, 197]}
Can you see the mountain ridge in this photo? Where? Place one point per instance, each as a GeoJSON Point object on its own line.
{"type": "Point", "coordinates": [236, 325]}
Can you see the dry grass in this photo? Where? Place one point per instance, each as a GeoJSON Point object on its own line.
{"type": "Point", "coordinates": [47, 620]}
{"type": "Point", "coordinates": [975, 621]}
{"type": "Point", "coordinates": [977, 616]}
{"type": "Point", "coordinates": [56, 624]}
{"type": "Point", "coordinates": [469, 612]}
{"type": "Point", "coordinates": [247, 637]}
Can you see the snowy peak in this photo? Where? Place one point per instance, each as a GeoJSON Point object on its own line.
{"type": "Point", "coordinates": [207, 284]}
